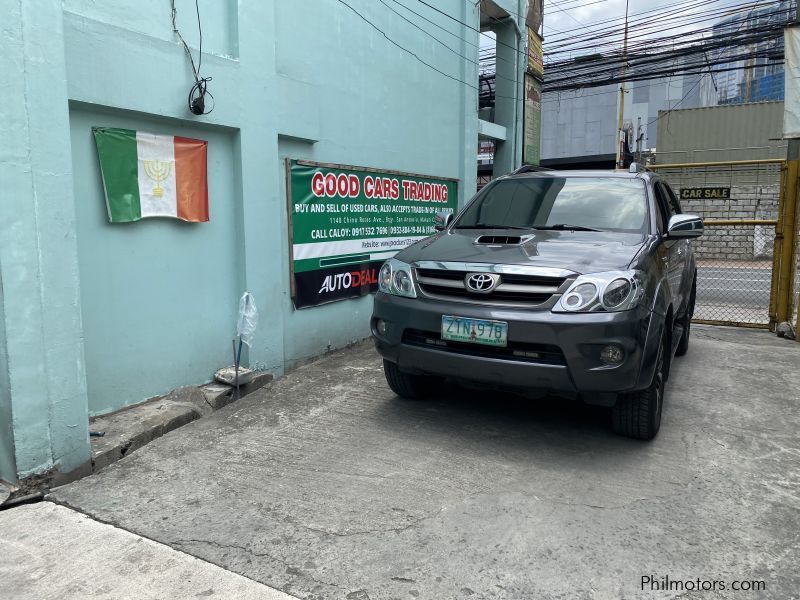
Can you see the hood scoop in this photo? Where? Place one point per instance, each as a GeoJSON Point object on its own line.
{"type": "Point", "coordinates": [503, 240]}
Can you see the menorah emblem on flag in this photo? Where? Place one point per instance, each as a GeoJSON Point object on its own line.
{"type": "Point", "coordinates": [152, 175]}
{"type": "Point", "coordinates": [158, 171]}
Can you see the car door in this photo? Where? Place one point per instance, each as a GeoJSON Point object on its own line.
{"type": "Point", "coordinates": [682, 251]}
{"type": "Point", "coordinates": [672, 252]}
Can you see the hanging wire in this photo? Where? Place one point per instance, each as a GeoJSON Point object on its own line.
{"type": "Point", "coordinates": [197, 94]}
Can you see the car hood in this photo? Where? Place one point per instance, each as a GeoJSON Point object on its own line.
{"type": "Point", "coordinates": [577, 251]}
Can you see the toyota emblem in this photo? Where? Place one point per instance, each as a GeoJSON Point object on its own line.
{"type": "Point", "coordinates": [482, 282]}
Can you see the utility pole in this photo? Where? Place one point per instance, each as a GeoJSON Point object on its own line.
{"type": "Point", "coordinates": [639, 138]}
{"type": "Point", "coordinates": [620, 157]}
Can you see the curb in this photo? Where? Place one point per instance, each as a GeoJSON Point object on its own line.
{"type": "Point", "coordinates": [132, 427]}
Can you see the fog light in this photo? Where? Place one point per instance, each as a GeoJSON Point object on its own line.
{"type": "Point", "coordinates": [380, 326]}
{"type": "Point", "coordinates": [611, 355]}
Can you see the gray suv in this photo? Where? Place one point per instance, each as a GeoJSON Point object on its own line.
{"type": "Point", "coordinates": [578, 283]}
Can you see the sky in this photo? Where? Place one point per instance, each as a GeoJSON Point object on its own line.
{"type": "Point", "coordinates": [568, 16]}
{"type": "Point", "coordinates": [585, 12]}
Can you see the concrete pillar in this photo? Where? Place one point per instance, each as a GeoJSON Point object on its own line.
{"type": "Point", "coordinates": [470, 39]}
{"type": "Point", "coordinates": [508, 100]}
{"type": "Point", "coordinates": [43, 382]}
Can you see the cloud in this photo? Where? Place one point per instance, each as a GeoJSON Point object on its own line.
{"type": "Point", "coordinates": [561, 17]}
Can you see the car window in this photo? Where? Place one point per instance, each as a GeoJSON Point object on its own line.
{"type": "Point", "coordinates": [607, 203]}
{"type": "Point", "coordinates": [674, 204]}
{"type": "Point", "coordinates": [662, 204]}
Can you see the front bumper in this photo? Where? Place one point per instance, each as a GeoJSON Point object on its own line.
{"type": "Point", "coordinates": [565, 347]}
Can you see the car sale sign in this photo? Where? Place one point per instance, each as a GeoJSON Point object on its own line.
{"type": "Point", "coordinates": [345, 221]}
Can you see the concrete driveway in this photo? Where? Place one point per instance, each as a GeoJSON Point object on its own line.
{"type": "Point", "coordinates": [326, 485]}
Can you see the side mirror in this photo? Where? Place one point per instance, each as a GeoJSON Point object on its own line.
{"type": "Point", "coordinates": [441, 220]}
{"type": "Point", "coordinates": [684, 226]}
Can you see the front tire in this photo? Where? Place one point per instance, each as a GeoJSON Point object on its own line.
{"type": "Point", "coordinates": [683, 345]}
{"type": "Point", "coordinates": [638, 414]}
{"type": "Point", "coordinates": [407, 385]}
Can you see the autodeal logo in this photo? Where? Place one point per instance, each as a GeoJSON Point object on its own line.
{"type": "Point", "coordinates": [348, 280]}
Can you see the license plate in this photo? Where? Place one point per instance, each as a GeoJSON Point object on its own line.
{"type": "Point", "coordinates": [476, 331]}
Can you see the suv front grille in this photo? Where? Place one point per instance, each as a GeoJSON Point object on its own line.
{"type": "Point", "coordinates": [516, 351]}
{"type": "Point", "coordinates": [513, 290]}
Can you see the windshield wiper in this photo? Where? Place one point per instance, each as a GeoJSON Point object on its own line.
{"type": "Point", "coordinates": [565, 226]}
{"type": "Point", "coordinates": [485, 226]}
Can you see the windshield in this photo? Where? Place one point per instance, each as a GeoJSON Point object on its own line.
{"type": "Point", "coordinates": [588, 203]}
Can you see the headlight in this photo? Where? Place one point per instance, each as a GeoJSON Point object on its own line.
{"type": "Point", "coordinates": [611, 292]}
{"type": "Point", "coordinates": [616, 293]}
{"type": "Point", "coordinates": [579, 296]}
{"type": "Point", "coordinates": [396, 278]}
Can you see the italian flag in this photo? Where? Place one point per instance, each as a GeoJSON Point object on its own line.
{"type": "Point", "coordinates": [148, 175]}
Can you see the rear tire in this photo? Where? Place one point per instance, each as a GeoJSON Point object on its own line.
{"type": "Point", "coordinates": [638, 414]}
{"type": "Point", "coordinates": [683, 345]}
{"type": "Point", "coordinates": [407, 385]}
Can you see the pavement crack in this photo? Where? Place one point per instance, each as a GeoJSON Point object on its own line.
{"type": "Point", "coordinates": [416, 521]}
{"type": "Point", "coordinates": [712, 438]}
{"type": "Point", "coordinates": [606, 507]}
{"type": "Point", "coordinates": [291, 569]}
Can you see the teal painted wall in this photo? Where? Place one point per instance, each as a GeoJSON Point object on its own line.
{"type": "Point", "coordinates": [8, 462]}
{"type": "Point", "coordinates": [157, 299]}
{"type": "Point", "coordinates": [41, 296]}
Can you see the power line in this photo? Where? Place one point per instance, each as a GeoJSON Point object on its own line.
{"type": "Point", "coordinates": [457, 36]}
{"type": "Point", "coordinates": [438, 41]}
{"type": "Point", "coordinates": [404, 49]}
{"type": "Point", "coordinates": [564, 10]}
{"type": "Point", "coordinates": [467, 25]}
{"type": "Point", "coordinates": [676, 105]}
{"type": "Point", "coordinates": [653, 13]}
{"type": "Point", "coordinates": [674, 18]}
{"type": "Point", "coordinates": [415, 55]}
{"type": "Point", "coordinates": [644, 33]}
{"type": "Point", "coordinates": [591, 73]}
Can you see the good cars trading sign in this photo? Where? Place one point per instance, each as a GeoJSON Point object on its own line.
{"type": "Point", "coordinates": [345, 221]}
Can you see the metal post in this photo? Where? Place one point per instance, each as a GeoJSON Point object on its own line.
{"type": "Point", "coordinates": [790, 226]}
{"type": "Point", "coordinates": [789, 235]}
{"type": "Point", "coordinates": [776, 253]}
{"type": "Point", "coordinates": [620, 158]}
{"type": "Point", "coordinates": [797, 324]}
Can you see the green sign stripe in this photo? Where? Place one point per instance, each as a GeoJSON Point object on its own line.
{"type": "Point", "coordinates": [119, 166]}
{"type": "Point", "coordinates": [343, 260]}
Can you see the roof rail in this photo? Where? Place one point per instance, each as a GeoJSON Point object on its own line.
{"type": "Point", "coordinates": [529, 169]}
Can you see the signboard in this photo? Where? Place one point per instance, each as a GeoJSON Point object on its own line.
{"type": "Point", "coordinates": [791, 105]}
{"type": "Point", "coordinates": [533, 121]}
{"type": "Point", "coordinates": [345, 221]}
{"type": "Point", "coordinates": [535, 54]}
{"type": "Point", "coordinates": [705, 193]}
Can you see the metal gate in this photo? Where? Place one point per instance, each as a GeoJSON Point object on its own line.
{"type": "Point", "coordinates": [747, 259]}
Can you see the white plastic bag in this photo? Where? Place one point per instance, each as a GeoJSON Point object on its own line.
{"type": "Point", "coordinates": [248, 318]}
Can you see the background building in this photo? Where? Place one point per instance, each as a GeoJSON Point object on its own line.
{"type": "Point", "coordinates": [751, 73]}
{"type": "Point", "coordinates": [579, 128]}
{"type": "Point", "coordinates": [737, 59]}
{"type": "Point", "coordinates": [96, 316]}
